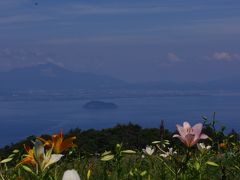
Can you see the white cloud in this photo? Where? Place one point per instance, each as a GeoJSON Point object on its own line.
{"type": "Point", "coordinates": [225, 56]}
{"type": "Point", "coordinates": [172, 57]}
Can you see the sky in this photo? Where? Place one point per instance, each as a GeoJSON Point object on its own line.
{"type": "Point", "coordinates": [134, 40]}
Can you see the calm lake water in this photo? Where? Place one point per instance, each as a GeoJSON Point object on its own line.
{"type": "Point", "coordinates": [20, 119]}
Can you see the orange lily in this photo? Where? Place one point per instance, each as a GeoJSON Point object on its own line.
{"type": "Point", "coordinates": [222, 145]}
{"type": "Point", "coordinates": [29, 157]}
{"type": "Point", "coordinates": [38, 157]}
{"type": "Point", "coordinates": [58, 144]}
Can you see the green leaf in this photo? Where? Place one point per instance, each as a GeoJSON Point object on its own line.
{"type": "Point", "coordinates": [119, 145]}
{"type": "Point", "coordinates": [166, 142]}
{"type": "Point", "coordinates": [15, 151]}
{"type": "Point", "coordinates": [131, 173]}
{"type": "Point", "coordinates": [107, 158]}
{"type": "Point", "coordinates": [6, 160]}
{"type": "Point", "coordinates": [197, 166]}
{"type": "Point", "coordinates": [212, 163]}
{"type": "Point", "coordinates": [143, 173]}
{"type": "Point", "coordinates": [237, 167]}
{"type": "Point", "coordinates": [231, 136]}
{"type": "Point", "coordinates": [129, 152]}
{"type": "Point", "coordinates": [11, 155]}
{"type": "Point", "coordinates": [70, 152]}
{"type": "Point", "coordinates": [27, 169]}
{"type": "Point", "coordinates": [210, 139]}
{"type": "Point", "coordinates": [156, 142]}
{"type": "Point", "coordinates": [106, 153]}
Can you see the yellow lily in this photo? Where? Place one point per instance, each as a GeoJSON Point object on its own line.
{"type": "Point", "coordinates": [38, 158]}
{"type": "Point", "coordinates": [44, 159]}
{"type": "Point", "coordinates": [58, 144]}
{"type": "Point", "coordinates": [29, 157]}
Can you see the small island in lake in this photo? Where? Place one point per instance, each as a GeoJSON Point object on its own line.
{"type": "Point", "coordinates": [99, 105]}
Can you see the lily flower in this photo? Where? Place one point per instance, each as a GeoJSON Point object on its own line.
{"type": "Point", "coordinates": [149, 150]}
{"type": "Point", "coordinates": [44, 159]}
{"type": "Point", "coordinates": [190, 135]}
{"type": "Point", "coordinates": [202, 147]}
{"type": "Point", "coordinates": [38, 158]}
{"type": "Point", "coordinates": [29, 157]}
{"type": "Point", "coordinates": [222, 145]}
{"type": "Point", "coordinates": [58, 144]}
{"type": "Point", "coordinates": [169, 153]}
{"type": "Point", "coordinates": [70, 175]}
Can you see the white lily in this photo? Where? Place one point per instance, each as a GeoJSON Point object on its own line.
{"type": "Point", "coordinates": [170, 152]}
{"type": "Point", "coordinates": [71, 175]}
{"type": "Point", "coordinates": [44, 159]}
{"type": "Point", "coordinates": [149, 150]}
{"type": "Point", "coordinates": [202, 147]}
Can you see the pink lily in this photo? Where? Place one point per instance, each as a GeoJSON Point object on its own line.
{"type": "Point", "coordinates": [190, 135]}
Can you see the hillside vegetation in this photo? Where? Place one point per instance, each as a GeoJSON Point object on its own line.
{"type": "Point", "coordinates": [126, 152]}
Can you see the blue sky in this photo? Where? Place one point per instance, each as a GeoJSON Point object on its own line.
{"type": "Point", "coordinates": [134, 40]}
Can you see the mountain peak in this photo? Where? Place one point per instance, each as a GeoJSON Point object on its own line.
{"type": "Point", "coordinates": [41, 66]}
{"type": "Point", "coordinates": [44, 69]}
{"type": "Point", "coordinates": [53, 76]}
{"type": "Point", "coordinates": [50, 64]}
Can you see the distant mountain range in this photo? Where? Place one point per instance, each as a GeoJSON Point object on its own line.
{"type": "Point", "coordinates": [50, 76]}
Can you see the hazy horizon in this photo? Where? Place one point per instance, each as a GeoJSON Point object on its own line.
{"type": "Point", "coordinates": [48, 63]}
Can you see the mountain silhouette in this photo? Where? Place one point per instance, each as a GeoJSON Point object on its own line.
{"type": "Point", "coordinates": [51, 76]}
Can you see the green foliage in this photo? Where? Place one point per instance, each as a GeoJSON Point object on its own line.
{"type": "Point", "coordinates": [116, 153]}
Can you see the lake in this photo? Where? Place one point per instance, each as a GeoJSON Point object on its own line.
{"type": "Point", "coordinates": [20, 119]}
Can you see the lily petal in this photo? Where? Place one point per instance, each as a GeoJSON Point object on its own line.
{"type": "Point", "coordinates": [181, 130]}
{"type": "Point", "coordinates": [180, 137]}
{"type": "Point", "coordinates": [189, 140]}
{"type": "Point", "coordinates": [196, 139]}
{"type": "Point", "coordinates": [176, 135]}
{"type": "Point", "coordinates": [39, 151]}
{"type": "Point", "coordinates": [203, 136]}
{"type": "Point", "coordinates": [67, 143]}
{"type": "Point", "coordinates": [53, 159]}
{"type": "Point", "coordinates": [46, 143]}
{"type": "Point", "coordinates": [197, 129]}
{"type": "Point", "coordinates": [186, 125]}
